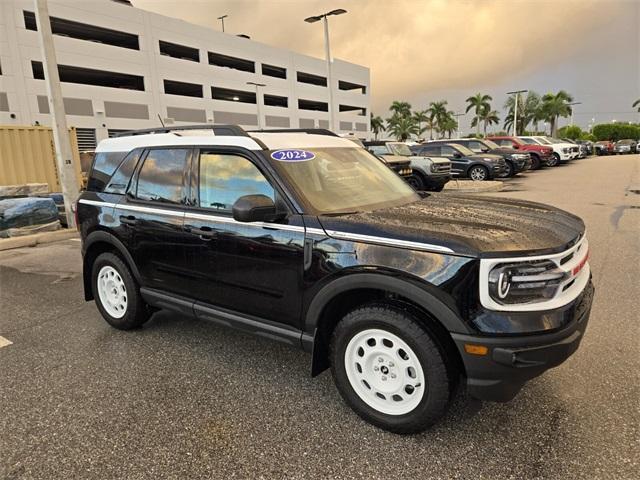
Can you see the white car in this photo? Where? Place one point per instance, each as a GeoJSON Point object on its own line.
{"type": "Point", "coordinates": [562, 151]}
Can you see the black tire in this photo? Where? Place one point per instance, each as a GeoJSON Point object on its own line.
{"type": "Point", "coordinates": [415, 180]}
{"type": "Point", "coordinates": [554, 160]}
{"type": "Point", "coordinates": [511, 170]}
{"type": "Point", "coordinates": [137, 312]}
{"type": "Point", "coordinates": [480, 171]}
{"type": "Point", "coordinates": [535, 162]}
{"type": "Point", "coordinates": [439, 188]}
{"type": "Point", "coordinates": [439, 381]}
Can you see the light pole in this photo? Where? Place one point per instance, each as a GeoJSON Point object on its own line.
{"type": "Point", "coordinates": [515, 110]}
{"type": "Point", "coordinates": [458, 123]}
{"type": "Point", "coordinates": [327, 49]}
{"type": "Point", "coordinates": [222, 20]}
{"type": "Point", "coordinates": [570, 104]}
{"type": "Point", "coordinates": [258, 85]}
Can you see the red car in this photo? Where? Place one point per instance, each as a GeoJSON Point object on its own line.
{"type": "Point", "coordinates": [604, 147]}
{"type": "Point", "coordinates": [540, 154]}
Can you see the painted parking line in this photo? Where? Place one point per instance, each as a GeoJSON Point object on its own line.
{"type": "Point", "coordinates": [4, 342]}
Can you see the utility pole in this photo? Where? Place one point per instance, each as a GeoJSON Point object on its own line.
{"type": "Point", "coordinates": [515, 110]}
{"type": "Point", "coordinates": [222, 20]}
{"type": "Point", "coordinates": [61, 139]}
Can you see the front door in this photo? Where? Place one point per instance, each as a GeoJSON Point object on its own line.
{"type": "Point", "coordinates": [251, 268]}
{"type": "Point", "coordinates": [458, 164]}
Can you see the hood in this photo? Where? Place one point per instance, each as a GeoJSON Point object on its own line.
{"type": "Point", "coordinates": [396, 159]}
{"type": "Point", "coordinates": [490, 156]}
{"type": "Point", "coordinates": [506, 151]}
{"type": "Point", "coordinates": [469, 225]}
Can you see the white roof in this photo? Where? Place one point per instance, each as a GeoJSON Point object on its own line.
{"type": "Point", "coordinates": [273, 141]}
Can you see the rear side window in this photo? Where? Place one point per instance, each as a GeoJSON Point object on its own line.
{"type": "Point", "coordinates": [225, 178]}
{"type": "Point", "coordinates": [161, 177]}
{"type": "Point", "coordinates": [435, 151]}
{"type": "Point", "coordinates": [104, 164]}
{"type": "Point", "coordinates": [120, 179]}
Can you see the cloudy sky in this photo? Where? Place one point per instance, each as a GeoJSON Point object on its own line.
{"type": "Point", "coordinates": [426, 50]}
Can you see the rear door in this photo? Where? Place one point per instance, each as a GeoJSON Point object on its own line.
{"type": "Point", "coordinates": [152, 213]}
{"type": "Point", "coordinates": [251, 268]}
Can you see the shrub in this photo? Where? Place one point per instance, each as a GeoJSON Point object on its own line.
{"type": "Point", "coordinates": [616, 131]}
{"type": "Point", "coordinates": [570, 131]}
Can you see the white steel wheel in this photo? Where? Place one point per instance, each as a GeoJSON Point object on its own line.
{"type": "Point", "coordinates": [384, 372]}
{"type": "Point", "coordinates": [112, 291]}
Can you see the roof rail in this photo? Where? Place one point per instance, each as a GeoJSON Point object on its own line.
{"type": "Point", "coordinates": [221, 130]}
{"type": "Point", "coordinates": [314, 131]}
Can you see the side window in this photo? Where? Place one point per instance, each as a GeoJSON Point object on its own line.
{"type": "Point", "coordinates": [476, 146]}
{"type": "Point", "coordinates": [447, 151]}
{"type": "Point", "coordinates": [225, 178]}
{"type": "Point", "coordinates": [104, 164]}
{"type": "Point", "coordinates": [120, 179]}
{"type": "Point", "coordinates": [161, 176]}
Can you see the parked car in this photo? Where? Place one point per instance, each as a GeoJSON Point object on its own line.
{"type": "Point", "coordinates": [587, 145]}
{"type": "Point", "coordinates": [402, 295]}
{"type": "Point", "coordinates": [562, 152]}
{"type": "Point", "coordinates": [541, 155]}
{"type": "Point", "coordinates": [427, 173]}
{"type": "Point", "coordinates": [516, 161]}
{"type": "Point", "coordinates": [625, 146]}
{"type": "Point", "coordinates": [398, 163]}
{"type": "Point", "coordinates": [604, 147]}
{"type": "Point", "coordinates": [464, 162]}
{"type": "Point", "coordinates": [582, 151]}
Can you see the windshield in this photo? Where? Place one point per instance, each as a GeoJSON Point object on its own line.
{"type": "Point", "coordinates": [343, 180]}
{"type": "Point", "coordinates": [555, 140]}
{"type": "Point", "coordinates": [464, 150]}
{"type": "Point", "coordinates": [490, 144]}
{"type": "Point", "coordinates": [543, 141]}
{"type": "Point", "coordinates": [529, 141]}
{"type": "Point", "coordinates": [625, 142]}
{"type": "Point", "coordinates": [400, 149]}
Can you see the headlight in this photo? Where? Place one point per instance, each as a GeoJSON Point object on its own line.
{"type": "Point", "coordinates": [518, 283]}
{"type": "Point", "coordinates": [434, 168]}
{"type": "Point", "coordinates": [565, 150]}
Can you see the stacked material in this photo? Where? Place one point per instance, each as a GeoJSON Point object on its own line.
{"type": "Point", "coordinates": [24, 216]}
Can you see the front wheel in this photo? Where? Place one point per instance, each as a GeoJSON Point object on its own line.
{"type": "Point", "coordinates": [535, 162]}
{"type": "Point", "coordinates": [389, 369]}
{"type": "Point", "coordinates": [415, 180]}
{"type": "Point", "coordinates": [554, 160]}
{"type": "Point", "coordinates": [478, 173]}
{"type": "Point", "coordinates": [511, 171]}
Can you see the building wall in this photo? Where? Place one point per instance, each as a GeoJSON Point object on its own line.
{"type": "Point", "coordinates": [104, 108]}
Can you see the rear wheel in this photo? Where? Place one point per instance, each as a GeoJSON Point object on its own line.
{"type": "Point", "coordinates": [117, 294]}
{"type": "Point", "coordinates": [389, 369]}
{"type": "Point", "coordinates": [415, 180]}
{"type": "Point", "coordinates": [554, 160]}
{"type": "Point", "coordinates": [478, 173]}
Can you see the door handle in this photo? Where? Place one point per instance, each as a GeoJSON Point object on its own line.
{"type": "Point", "coordinates": [204, 232]}
{"type": "Point", "coordinates": [128, 220]}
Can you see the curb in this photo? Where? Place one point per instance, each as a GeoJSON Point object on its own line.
{"type": "Point", "coordinates": [469, 186]}
{"type": "Point", "coordinates": [36, 239]}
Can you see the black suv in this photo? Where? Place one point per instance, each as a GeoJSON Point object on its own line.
{"type": "Point", "coordinates": [464, 162]}
{"type": "Point", "coordinates": [516, 160]}
{"type": "Point", "coordinates": [322, 247]}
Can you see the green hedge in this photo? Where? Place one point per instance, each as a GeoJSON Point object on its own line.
{"type": "Point", "coordinates": [616, 131]}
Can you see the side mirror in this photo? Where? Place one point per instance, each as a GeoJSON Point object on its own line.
{"type": "Point", "coordinates": [457, 155]}
{"type": "Point", "coordinates": [254, 208]}
{"type": "Point", "coordinates": [516, 146]}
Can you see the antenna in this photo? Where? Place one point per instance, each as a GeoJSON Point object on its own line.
{"type": "Point", "coordinates": [161, 122]}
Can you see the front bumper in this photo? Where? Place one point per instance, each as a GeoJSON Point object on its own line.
{"type": "Point", "coordinates": [437, 179]}
{"type": "Point", "coordinates": [499, 169]}
{"type": "Point", "coordinates": [512, 361]}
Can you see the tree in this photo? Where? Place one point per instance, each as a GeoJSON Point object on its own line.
{"type": "Point", "coordinates": [489, 117]}
{"type": "Point", "coordinates": [636, 104]}
{"type": "Point", "coordinates": [528, 111]}
{"type": "Point", "coordinates": [554, 105]}
{"type": "Point", "coordinates": [448, 124]}
{"type": "Point", "coordinates": [421, 117]}
{"type": "Point", "coordinates": [573, 132]}
{"type": "Point", "coordinates": [437, 112]}
{"type": "Point", "coordinates": [377, 125]}
{"type": "Point", "coordinates": [402, 109]}
{"type": "Point", "coordinates": [479, 103]}
{"type": "Point", "coordinates": [402, 127]}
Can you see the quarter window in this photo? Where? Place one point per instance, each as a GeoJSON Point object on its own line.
{"type": "Point", "coordinates": [225, 178]}
{"type": "Point", "coordinates": [161, 176]}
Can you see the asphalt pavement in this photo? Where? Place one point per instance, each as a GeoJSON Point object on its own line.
{"type": "Point", "coordinates": [182, 398]}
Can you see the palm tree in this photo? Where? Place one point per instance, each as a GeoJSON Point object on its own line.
{"type": "Point", "coordinates": [636, 104]}
{"type": "Point", "coordinates": [448, 125]}
{"type": "Point", "coordinates": [488, 117]}
{"type": "Point", "coordinates": [402, 109]}
{"type": "Point", "coordinates": [421, 117]}
{"type": "Point", "coordinates": [554, 106]}
{"type": "Point", "coordinates": [479, 102]}
{"type": "Point", "coordinates": [402, 127]}
{"type": "Point", "coordinates": [437, 112]}
{"type": "Point", "coordinates": [377, 125]}
{"type": "Point", "coordinates": [528, 111]}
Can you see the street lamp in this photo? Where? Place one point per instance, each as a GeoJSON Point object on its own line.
{"type": "Point", "coordinates": [458, 122]}
{"type": "Point", "coordinates": [327, 49]}
{"type": "Point", "coordinates": [570, 104]}
{"type": "Point", "coordinates": [222, 20]}
{"type": "Point", "coordinates": [515, 109]}
{"type": "Point", "coordinates": [258, 85]}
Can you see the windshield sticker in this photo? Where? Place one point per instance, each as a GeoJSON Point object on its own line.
{"type": "Point", "coordinates": [293, 155]}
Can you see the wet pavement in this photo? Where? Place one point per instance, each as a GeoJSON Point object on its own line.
{"type": "Point", "coordinates": [182, 398]}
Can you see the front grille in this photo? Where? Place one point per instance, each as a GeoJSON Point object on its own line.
{"type": "Point", "coordinates": [442, 167]}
